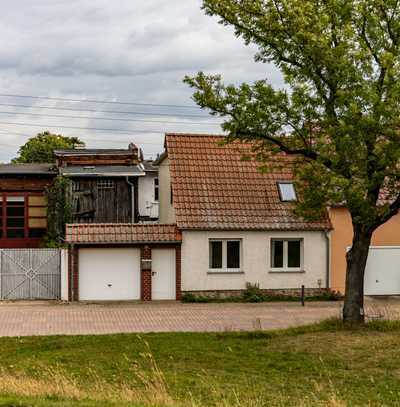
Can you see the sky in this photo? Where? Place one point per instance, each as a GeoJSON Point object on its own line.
{"type": "Point", "coordinates": [132, 54]}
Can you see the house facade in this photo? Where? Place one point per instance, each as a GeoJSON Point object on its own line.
{"type": "Point", "coordinates": [104, 183]}
{"type": "Point", "coordinates": [107, 186]}
{"type": "Point", "coordinates": [148, 190]}
{"type": "Point", "coordinates": [237, 223]}
{"type": "Point", "coordinates": [23, 209]}
{"type": "Point", "coordinates": [382, 275]}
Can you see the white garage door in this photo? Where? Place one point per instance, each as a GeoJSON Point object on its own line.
{"type": "Point", "coordinates": [109, 274]}
{"type": "Point", "coordinates": [382, 273]}
{"type": "Point", "coordinates": [163, 274]}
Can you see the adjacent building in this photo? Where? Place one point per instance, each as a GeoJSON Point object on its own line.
{"type": "Point", "coordinates": [23, 210]}
{"type": "Point", "coordinates": [107, 186]}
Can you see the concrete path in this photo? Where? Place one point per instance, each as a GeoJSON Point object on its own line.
{"type": "Point", "coordinates": [23, 319]}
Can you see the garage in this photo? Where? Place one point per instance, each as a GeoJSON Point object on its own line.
{"type": "Point", "coordinates": [109, 274]}
{"type": "Point", "coordinates": [382, 273]}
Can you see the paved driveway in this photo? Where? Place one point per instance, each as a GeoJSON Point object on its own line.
{"type": "Point", "coordinates": [21, 319]}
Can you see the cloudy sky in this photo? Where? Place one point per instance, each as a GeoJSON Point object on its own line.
{"type": "Point", "coordinates": [132, 52]}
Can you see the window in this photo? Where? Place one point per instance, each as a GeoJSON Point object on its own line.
{"type": "Point", "coordinates": [15, 217]}
{"type": "Point", "coordinates": [225, 255]}
{"type": "Point", "coordinates": [156, 192]}
{"type": "Point", "coordinates": [105, 184]}
{"type": "Point", "coordinates": [287, 254]}
{"type": "Point", "coordinates": [37, 213]}
{"type": "Point", "coordinates": [287, 191]}
{"type": "Point", "coordinates": [23, 216]}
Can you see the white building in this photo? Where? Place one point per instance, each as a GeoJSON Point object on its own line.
{"type": "Point", "coordinates": [237, 223]}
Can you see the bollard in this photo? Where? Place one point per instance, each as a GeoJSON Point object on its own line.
{"type": "Point", "coordinates": [302, 295]}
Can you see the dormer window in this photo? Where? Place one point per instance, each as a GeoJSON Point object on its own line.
{"type": "Point", "coordinates": [287, 192]}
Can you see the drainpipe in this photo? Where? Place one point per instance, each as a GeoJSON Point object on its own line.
{"type": "Point", "coordinates": [328, 257]}
{"type": "Point", "coordinates": [71, 271]}
{"type": "Point", "coordinates": [132, 198]}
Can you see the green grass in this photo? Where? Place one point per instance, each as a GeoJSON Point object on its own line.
{"type": "Point", "coordinates": [319, 365]}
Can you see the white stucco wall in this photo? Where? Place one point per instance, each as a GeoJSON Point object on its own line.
{"type": "Point", "coordinates": [256, 261]}
{"type": "Point", "coordinates": [147, 204]}
{"type": "Point", "coordinates": [167, 212]}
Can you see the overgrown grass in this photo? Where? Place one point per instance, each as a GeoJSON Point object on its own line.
{"type": "Point", "coordinates": [325, 364]}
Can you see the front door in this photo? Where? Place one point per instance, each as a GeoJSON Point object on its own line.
{"type": "Point", "coordinates": [164, 275]}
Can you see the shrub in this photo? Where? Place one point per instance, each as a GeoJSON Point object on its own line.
{"type": "Point", "coordinates": [253, 293]}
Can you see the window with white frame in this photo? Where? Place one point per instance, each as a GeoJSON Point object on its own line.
{"type": "Point", "coordinates": [287, 254]}
{"type": "Point", "coordinates": [225, 254]}
{"type": "Point", "coordinates": [287, 191]}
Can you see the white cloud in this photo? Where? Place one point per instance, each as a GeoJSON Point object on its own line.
{"type": "Point", "coordinates": [121, 50]}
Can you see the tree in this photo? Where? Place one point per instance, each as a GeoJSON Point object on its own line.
{"type": "Point", "coordinates": [40, 149]}
{"type": "Point", "coordinates": [339, 115]}
{"type": "Point", "coordinates": [59, 210]}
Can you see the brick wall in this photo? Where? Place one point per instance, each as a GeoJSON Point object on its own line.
{"type": "Point", "coordinates": [178, 262]}
{"type": "Point", "coordinates": [145, 273]}
{"type": "Point", "coordinates": [295, 292]}
{"type": "Point", "coordinates": [74, 262]}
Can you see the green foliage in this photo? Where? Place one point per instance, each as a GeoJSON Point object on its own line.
{"type": "Point", "coordinates": [59, 211]}
{"type": "Point", "coordinates": [253, 293]}
{"type": "Point", "coordinates": [40, 149]}
{"type": "Point", "coordinates": [339, 114]}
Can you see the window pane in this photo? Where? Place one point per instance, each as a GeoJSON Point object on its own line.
{"type": "Point", "coordinates": [105, 184]}
{"type": "Point", "coordinates": [15, 222]}
{"type": "Point", "coordinates": [233, 254]}
{"type": "Point", "coordinates": [16, 211]}
{"type": "Point", "coordinates": [216, 255]}
{"type": "Point", "coordinates": [37, 232]}
{"type": "Point", "coordinates": [287, 191]}
{"type": "Point", "coordinates": [294, 253]}
{"type": "Point", "coordinates": [277, 253]}
{"type": "Point", "coordinates": [156, 189]}
{"type": "Point", "coordinates": [15, 233]}
{"type": "Point", "coordinates": [16, 199]}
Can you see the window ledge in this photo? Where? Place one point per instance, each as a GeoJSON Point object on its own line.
{"type": "Point", "coordinates": [225, 272]}
{"type": "Point", "coordinates": [286, 271]}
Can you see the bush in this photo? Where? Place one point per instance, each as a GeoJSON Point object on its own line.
{"type": "Point", "coordinates": [253, 293]}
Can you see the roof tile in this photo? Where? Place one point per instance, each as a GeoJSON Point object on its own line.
{"type": "Point", "coordinates": [121, 233]}
{"type": "Point", "coordinates": [213, 188]}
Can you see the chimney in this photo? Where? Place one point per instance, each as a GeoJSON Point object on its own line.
{"type": "Point", "coordinates": [136, 155]}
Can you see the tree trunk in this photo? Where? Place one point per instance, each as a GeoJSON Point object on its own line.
{"type": "Point", "coordinates": [353, 310]}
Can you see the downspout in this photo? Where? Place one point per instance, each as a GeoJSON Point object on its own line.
{"type": "Point", "coordinates": [328, 257]}
{"type": "Point", "coordinates": [132, 198]}
{"type": "Point", "coordinates": [71, 270]}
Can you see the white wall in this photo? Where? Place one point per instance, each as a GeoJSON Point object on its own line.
{"type": "Point", "coordinates": [256, 261]}
{"type": "Point", "coordinates": [64, 275]}
{"type": "Point", "coordinates": [167, 212]}
{"type": "Point", "coordinates": [148, 206]}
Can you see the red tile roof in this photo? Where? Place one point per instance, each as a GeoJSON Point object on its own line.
{"type": "Point", "coordinates": [103, 233]}
{"type": "Point", "coordinates": [214, 188]}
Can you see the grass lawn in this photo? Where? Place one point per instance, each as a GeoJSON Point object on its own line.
{"type": "Point", "coordinates": [320, 365]}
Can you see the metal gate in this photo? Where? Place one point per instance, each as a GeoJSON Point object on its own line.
{"type": "Point", "coordinates": [29, 274]}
